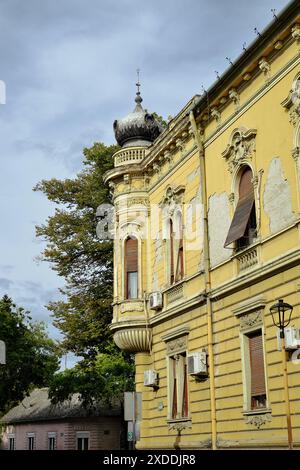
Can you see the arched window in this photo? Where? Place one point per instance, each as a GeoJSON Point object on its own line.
{"type": "Point", "coordinates": [131, 268]}
{"type": "Point", "coordinates": [243, 226]}
{"type": "Point", "coordinates": [176, 249]}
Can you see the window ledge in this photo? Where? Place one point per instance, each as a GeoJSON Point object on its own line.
{"type": "Point", "coordinates": [179, 424]}
{"type": "Point", "coordinates": [257, 412]}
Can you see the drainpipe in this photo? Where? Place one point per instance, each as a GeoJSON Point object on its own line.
{"type": "Point", "coordinates": [207, 279]}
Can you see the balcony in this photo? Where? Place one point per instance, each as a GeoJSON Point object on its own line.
{"type": "Point", "coordinates": [247, 259]}
{"type": "Point", "coordinates": [129, 326]}
{"type": "Point", "coordinates": [129, 156]}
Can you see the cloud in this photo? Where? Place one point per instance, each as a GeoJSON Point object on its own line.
{"type": "Point", "coordinates": [70, 70]}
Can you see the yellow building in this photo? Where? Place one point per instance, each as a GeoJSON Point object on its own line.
{"type": "Point", "coordinates": [207, 227]}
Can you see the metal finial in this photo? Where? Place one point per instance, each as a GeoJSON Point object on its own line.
{"type": "Point", "coordinates": [138, 98]}
{"type": "Point", "coordinates": [257, 32]}
{"type": "Point", "coordinates": [138, 80]}
{"type": "Point", "coordinates": [244, 46]}
{"type": "Point", "coordinates": [229, 60]}
{"type": "Point", "coordinates": [273, 10]}
{"type": "Point", "coordinates": [217, 73]}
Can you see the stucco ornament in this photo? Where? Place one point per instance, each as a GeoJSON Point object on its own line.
{"type": "Point", "coordinates": [258, 420]}
{"type": "Point", "coordinates": [241, 147]}
{"type": "Point", "coordinates": [292, 103]}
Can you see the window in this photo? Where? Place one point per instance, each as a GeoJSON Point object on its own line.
{"type": "Point", "coordinates": [131, 268]}
{"type": "Point", "coordinates": [176, 249]}
{"type": "Point", "coordinates": [11, 442]}
{"type": "Point", "coordinates": [83, 439]}
{"type": "Point", "coordinates": [178, 387]}
{"type": "Point", "coordinates": [51, 440]}
{"type": "Point", "coordinates": [30, 441]}
{"type": "Point", "coordinates": [257, 367]}
{"type": "Point", "coordinates": [243, 226]}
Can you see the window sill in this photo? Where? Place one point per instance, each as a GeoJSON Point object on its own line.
{"type": "Point", "coordinates": [179, 424]}
{"type": "Point", "coordinates": [257, 412]}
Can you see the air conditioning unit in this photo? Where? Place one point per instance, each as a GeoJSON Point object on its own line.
{"type": "Point", "coordinates": [292, 339]}
{"type": "Point", "coordinates": [150, 378]}
{"type": "Point", "coordinates": [196, 363]}
{"type": "Point", "coordinates": [156, 300]}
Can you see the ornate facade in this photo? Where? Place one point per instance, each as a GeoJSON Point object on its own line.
{"type": "Point", "coordinates": [207, 217]}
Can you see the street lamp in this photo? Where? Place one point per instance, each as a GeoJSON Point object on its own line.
{"type": "Point", "coordinates": [281, 316]}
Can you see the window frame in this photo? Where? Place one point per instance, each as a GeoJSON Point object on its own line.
{"type": "Point", "coordinates": [11, 439]}
{"type": "Point", "coordinates": [178, 387]}
{"type": "Point", "coordinates": [82, 435]}
{"type": "Point", "coordinates": [31, 439]}
{"type": "Point", "coordinates": [50, 436]}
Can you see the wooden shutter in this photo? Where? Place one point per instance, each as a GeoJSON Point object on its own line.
{"type": "Point", "coordinates": [243, 209]}
{"type": "Point", "coordinates": [174, 391]}
{"type": "Point", "coordinates": [258, 386]}
{"type": "Point", "coordinates": [131, 255]}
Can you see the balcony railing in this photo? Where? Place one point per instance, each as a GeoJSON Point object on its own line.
{"type": "Point", "coordinates": [129, 156]}
{"type": "Point", "coordinates": [247, 259]}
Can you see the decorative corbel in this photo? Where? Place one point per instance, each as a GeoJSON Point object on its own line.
{"type": "Point", "coordinates": [215, 114]}
{"type": "Point", "coordinates": [265, 67]}
{"type": "Point", "coordinates": [156, 167]}
{"type": "Point", "coordinates": [179, 145]}
{"type": "Point", "coordinates": [235, 98]}
{"type": "Point", "coordinates": [296, 33]}
{"type": "Point", "coordinates": [127, 179]}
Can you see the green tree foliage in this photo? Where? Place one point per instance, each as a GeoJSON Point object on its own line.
{"type": "Point", "coordinates": [102, 380]}
{"type": "Point", "coordinates": [79, 256]}
{"type": "Point", "coordinates": [31, 356]}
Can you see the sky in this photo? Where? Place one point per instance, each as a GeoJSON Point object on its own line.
{"type": "Point", "coordinates": [69, 67]}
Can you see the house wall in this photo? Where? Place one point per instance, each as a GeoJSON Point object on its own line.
{"type": "Point", "coordinates": [105, 433]}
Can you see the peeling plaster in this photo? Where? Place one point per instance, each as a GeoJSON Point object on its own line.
{"type": "Point", "coordinates": [277, 198]}
{"type": "Point", "coordinates": [190, 178]}
{"type": "Point", "coordinates": [218, 226]}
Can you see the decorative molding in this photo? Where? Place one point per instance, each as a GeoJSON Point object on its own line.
{"type": "Point", "coordinates": [278, 45]}
{"type": "Point", "coordinates": [137, 201]}
{"type": "Point", "coordinates": [231, 198]}
{"type": "Point", "coordinates": [296, 33]}
{"type": "Point", "coordinates": [292, 103]}
{"type": "Point", "coordinates": [182, 331]}
{"type": "Point", "coordinates": [179, 424]}
{"type": "Point", "coordinates": [241, 147]}
{"type": "Point", "coordinates": [265, 67]}
{"type": "Point", "coordinates": [215, 114]}
{"type": "Point", "coordinates": [296, 153]}
{"type": "Point", "coordinates": [251, 320]}
{"type": "Point", "coordinates": [247, 77]}
{"type": "Point", "coordinates": [173, 196]}
{"type": "Point", "coordinates": [174, 293]}
{"type": "Point", "coordinates": [133, 339]}
{"type": "Point", "coordinates": [132, 306]}
{"type": "Point", "coordinates": [249, 305]}
{"type": "Point", "coordinates": [235, 97]}
{"type": "Point", "coordinates": [258, 419]}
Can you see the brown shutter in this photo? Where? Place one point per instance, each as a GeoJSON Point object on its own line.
{"type": "Point", "coordinates": [243, 209]}
{"type": "Point", "coordinates": [240, 219]}
{"type": "Point", "coordinates": [131, 255]}
{"type": "Point", "coordinates": [258, 386]}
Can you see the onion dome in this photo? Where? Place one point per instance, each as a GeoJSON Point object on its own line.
{"type": "Point", "coordinates": [139, 128]}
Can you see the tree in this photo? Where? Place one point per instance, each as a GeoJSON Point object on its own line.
{"type": "Point", "coordinates": [79, 256]}
{"type": "Point", "coordinates": [102, 380]}
{"type": "Point", "coordinates": [31, 356]}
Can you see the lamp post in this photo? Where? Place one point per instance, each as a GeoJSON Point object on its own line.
{"type": "Point", "coordinates": [281, 316]}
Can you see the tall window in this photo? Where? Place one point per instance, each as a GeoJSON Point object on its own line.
{"type": "Point", "coordinates": [83, 438]}
{"type": "Point", "coordinates": [178, 387]}
{"type": "Point", "coordinates": [30, 441]}
{"type": "Point", "coordinates": [11, 442]}
{"type": "Point", "coordinates": [172, 236]}
{"type": "Point", "coordinates": [51, 440]}
{"type": "Point", "coordinates": [176, 250]}
{"type": "Point", "coordinates": [243, 228]}
{"type": "Point", "coordinates": [131, 268]}
{"type": "Point", "coordinates": [257, 366]}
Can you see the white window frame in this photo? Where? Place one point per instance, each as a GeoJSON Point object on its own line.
{"type": "Point", "coordinates": [83, 435]}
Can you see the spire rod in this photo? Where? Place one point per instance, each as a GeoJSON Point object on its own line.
{"type": "Point", "coordinates": [138, 98]}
